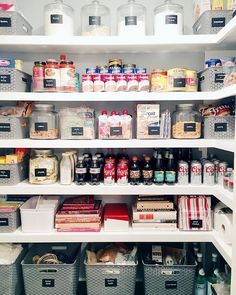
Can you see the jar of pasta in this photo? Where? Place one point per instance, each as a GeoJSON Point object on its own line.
{"type": "Point", "coordinates": [186, 122]}
{"type": "Point", "coordinates": [43, 167]}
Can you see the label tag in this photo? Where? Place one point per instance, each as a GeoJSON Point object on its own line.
{"type": "Point", "coordinates": [41, 126]}
{"type": "Point", "coordinates": [110, 282]}
{"type": "Point", "coordinates": [77, 131]}
{"type": "Point", "coordinates": [56, 19]}
{"type": "Point", "coordinates": [115, 131]}
{"type": "Point", "coordinates": [4, 222]}
{"type": "Point", "coordinates": [5, 79]}
{"type": "Point", "coordinates": [219, 127]}
{"type": "Point", "coordinates": [95, 20]}
{"type": "Point", "coordinates": [171, 19]}
{"type": "Point", "coordinates": [189, 127]}
{"type": "Point", "coordinates": [5, 174]}
{"type": "Point", "coordinates": [153, 130]}
{"type": "Point", "coordinates": [218, 22]}
{"type": "Point", "coordinates": [5, 22]}
{"type": "Point", "coordinates": [40, 172]}
{"type": "Point", "coordinates": [131, 20]}
{"type": "Point", "coordinates": [196, 223]}
{"type": "Point", "coordinates": [219, 78]}
{"type": "Point", "coordinates": [5, 127]}
{"type": "Point", "coordinates": [49, 83]}
{"type": "Point", "coordinates": [48, 283]}
{"type": "Point", "coordinates": [180, 82]}
{"type": "Point", "coordinates": [171, 285]}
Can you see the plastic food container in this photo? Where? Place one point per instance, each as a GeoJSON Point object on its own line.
{"type": "Point", "coordinates": [14, 128]}
{"type": "Point", "coordinates": [186, 122]}
{"type": "Point", "coordinates": [217, 127]}
{"type": "Point", "coordinates": [12, 80]}
{"type": "Point", "coordinates": [13, 23]}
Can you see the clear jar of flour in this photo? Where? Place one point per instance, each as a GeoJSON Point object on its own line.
{"type": "Point", "coordinates": [168, 19]}
{"type": "Point", "coordinates": [131, 19]}
{"type": "Point", "coordinates": [58, 19]}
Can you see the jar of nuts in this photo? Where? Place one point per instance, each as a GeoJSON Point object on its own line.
{"type": "Point", "coordinates": [186, 122]}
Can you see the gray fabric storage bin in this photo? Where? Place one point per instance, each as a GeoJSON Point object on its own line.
{"type": "Point", "coordinates": [9, 221]}
{"type": "Point", "coordinates": [12, 80]}
{"type": "Point", "coordinates": [212, 21]}
{"type": "Point", "coordinates": [13, 23]}
{"type": "Point", "coordinates": [11, 281]}
{"type": "Point", "coordinates": [14, 128]}
{"type": "Point", "coordinates": [217, 127]}
{"type": "Point", "coordinates": [45, 279]}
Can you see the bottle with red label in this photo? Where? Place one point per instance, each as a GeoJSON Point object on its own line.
{"type": "Point", "coordinates": [135, 171]}
{"type": "Point", "coordinates": [94, 172]}
{"type": "Point", "coordinates": [123, 171]}
{"type": "Point", "coordinates": [80, 172]}
{"type": "Point", "coordinates": [67, 75]}
{"type": "Point", "coordinates": [109, 171]}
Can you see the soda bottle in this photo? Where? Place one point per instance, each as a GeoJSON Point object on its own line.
{"type": "Point", "coordinates": [134, 172]}
{"type": "Point", "coordinates": [214, 274]}
{"type": "Point", "coordinates": [80, 172]}
{"type": "Point", "coordinates": [200, 287]}
{"type": "Point", "coordinates": [159, 170]}
{"type": "Point", "coordinates": [94, 172]}
{"type": "Point", "coordinates": [147, 171]}
{"type": "Point", "coordinates": [170, 173]}
{"type": "Point", "coordinates": [101, 163]}
{"type": "Point", "coordinates": [87, 161]}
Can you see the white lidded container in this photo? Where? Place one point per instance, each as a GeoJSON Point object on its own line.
{"type": "Point", "coordinates": [131, 19]}
{"type": "Point", "coordinates": [58, 19]}
{"type": "Point", "coordinates": [168, 19]}
{"type": "Point", "coordinates": [95, 19]}
{"type": "Point", "coordinates": [37, 214]}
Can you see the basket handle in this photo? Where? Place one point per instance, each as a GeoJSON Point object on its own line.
{"type": "Point", "coordinates": [24, 80]}
{"type": "Point", "coordinates": [48, 270]}
{"type": "Point", "coordinates": [114, 271]}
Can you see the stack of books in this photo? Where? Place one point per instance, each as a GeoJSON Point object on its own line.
{"type": "Point", "coordinates": [154, 213]}
{"type": "Point", "coordinates": [79, 214]}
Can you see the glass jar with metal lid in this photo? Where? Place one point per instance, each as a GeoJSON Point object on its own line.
{"type": "Point", "coordinates": [186, 122]}
{"type": "Point", "coordinates": [95, 19]}
{"type": "Point", "coordinates": [43, 167]}
{"type": "Point", "coordinates": [168, 19]}
{"type": "Point", "coordinates": [44, 122]}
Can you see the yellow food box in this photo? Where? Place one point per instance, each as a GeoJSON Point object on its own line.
{"type": "Point", "coordinates": [218, 5]}
{"type": "Point", "coordinates": [3, 160]}
{"type": "Point", "coordinates": [12, 159]}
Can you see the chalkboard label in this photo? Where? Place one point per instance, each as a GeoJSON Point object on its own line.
{"type": "Point", "coordinates": [40, 172]}
{"type": "Point", "coordinates": [56, 19]}
{"type": "Point", "coordinates": [5, 22]}
{"type": "Point", "coordinates": [171, 285]}
{"type": "Point", "coordinates": [194, 223]}
{"type": "Point", "coordinates": [41, 126]}
{"type": "Point", "coordinates": [153, 130]}
{"type": "Point", "coordinates": [171, 19]}
{"type": "Point", "coordinates": [219, 78]}
{"type": "Point", "coordinates": [48, 283]}
{"type": "Point", "coordinates": [180, 82]}
{"type": "Point", "coordinates": [5, 79]}
{"type": "Point", "coordinates": [5, 127]}
{"type": "Point", "coordinates": [77, 131]}
{"type": "Point", "coordinates": [221, 127]}
{"type": "Point", "coordinates": [218, 22]}
{"type": "Point", "coordinates": [115, 131]}
{"type": "Point", "coordinates": [110, 282]}
{"type": "Point", "coordinates": [5, 174]}
{"type": "Point", "coordinates": [4, 222]}
{"type": "Point", "coordinates": [49, 83]}
{"type": "Point", "coordinates": [95, 20]}
{"type": "Point", "coordinates": [189, 127]}
{"type": "Point", "coordinates": [131, 20]}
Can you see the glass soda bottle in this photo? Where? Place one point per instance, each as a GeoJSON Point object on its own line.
{"type": "Point", "coordinates": [200, 287]}
{"type": "Point", "coordinates": [134, 172]}
{"type": "Point", "coordinates": [94, 172]}
{"type": "Point", "coordinates": [170, 173]}
{"type": "Point", "coordinates": [159, 170]}
{"type": "Point", "coordinates": [147, 171]}
{"type": "Point", "coordinates": [80, 172]}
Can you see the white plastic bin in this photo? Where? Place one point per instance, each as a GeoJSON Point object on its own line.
{"type": "Point", "coordinates": [37, 214]}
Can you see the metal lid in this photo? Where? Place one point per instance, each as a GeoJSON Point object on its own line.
{"type": "Point", "coordinates": [43, 153]}
{"type": "Point", "coordinates": [184, 106]}
{"type": "Point", "coordinates": [168, 5]}
{"type": "Point", "coordinates": [44, 107]}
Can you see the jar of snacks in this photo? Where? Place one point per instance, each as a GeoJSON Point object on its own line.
{"type": "Point", "coordinates": [43, 167]}
{"type": "Point", "coordinates": [44, 122]}
{"type": "Point", "coordinates": [186, 122]}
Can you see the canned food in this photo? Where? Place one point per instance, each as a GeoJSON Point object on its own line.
{"type": "Point", "coordinates": [143, 82]}
{"type": "Point", "coordinates": [176, 80]}
{"type": "Point", "coordinates": [115, 63]}
{"type": "Point", "coordinates": [196, 173]}
{"type": "Point", "coordinates": [221, 172]}
{"type": "Point", "coordinates": [210, 63]}
{"type": "Point", "coordinates": [208, 173]}
{"type": "Point", "coordinates": [158, 81]}
{"type": "Point", "coordinates": [183, 173]}
{"type": "Point", "coordinates": [191, 81]}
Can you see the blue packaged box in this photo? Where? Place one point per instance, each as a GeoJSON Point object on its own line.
{"type": "Point", "coordinates": [11, 63]}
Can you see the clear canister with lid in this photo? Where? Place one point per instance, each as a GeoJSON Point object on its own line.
{"type": "Point", "coordinates": [44, 122]}
{"type": "Point", "coordinates": [169, 19]}
{"type": "Point", "coordinates": [43, 167]}
{"type": "Point", "coordinates": [95, 19]}
{"type": "Point", "coordinates": [186, 122]}
{"type": "Point", "coordinates": [131, 19]}
{"type": "Point", "coordinates": [58, 19]}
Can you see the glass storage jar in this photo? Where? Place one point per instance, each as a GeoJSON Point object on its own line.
{"type": "Point", "coordinates": [95, 19]}
{"type": "Point", "coordinates": [58, 19]}
{"type": "Point", "coordinates": [186, 122]}
{"type": "Point", "coordinates": [44, 122]}
{"type": "Point", "coordinates": [168, 19]}
{"type": "Point", "coordinates": [131, 19]}
{"type": "Point", "coordinates": [43, 167]}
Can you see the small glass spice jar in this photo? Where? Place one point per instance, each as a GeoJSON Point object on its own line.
{"type": "Point", "coordinates": [186, 122]}
{"type": "Point", "coordinates": [43, 167]}
{"type": "Point", "coordinates": [44, 122]}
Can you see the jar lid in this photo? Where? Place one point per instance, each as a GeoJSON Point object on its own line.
{"type": "Point", "coordinates": [168, 5]}
{"type": "Point", "coordinates": [43, 152]}
{"type": "Point", "coordinates": [44, 107]}
{"type": "Point", "coordinates": [185, 106]}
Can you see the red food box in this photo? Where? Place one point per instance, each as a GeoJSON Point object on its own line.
{"type": "Point", "coordinates": [116, 217]}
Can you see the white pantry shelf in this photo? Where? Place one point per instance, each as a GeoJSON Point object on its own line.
{"type": "Point", "coordinates": [119, 96]}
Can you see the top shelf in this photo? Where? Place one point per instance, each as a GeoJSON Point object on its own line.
{"type": "Point", "coordinates": [224, 40]}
